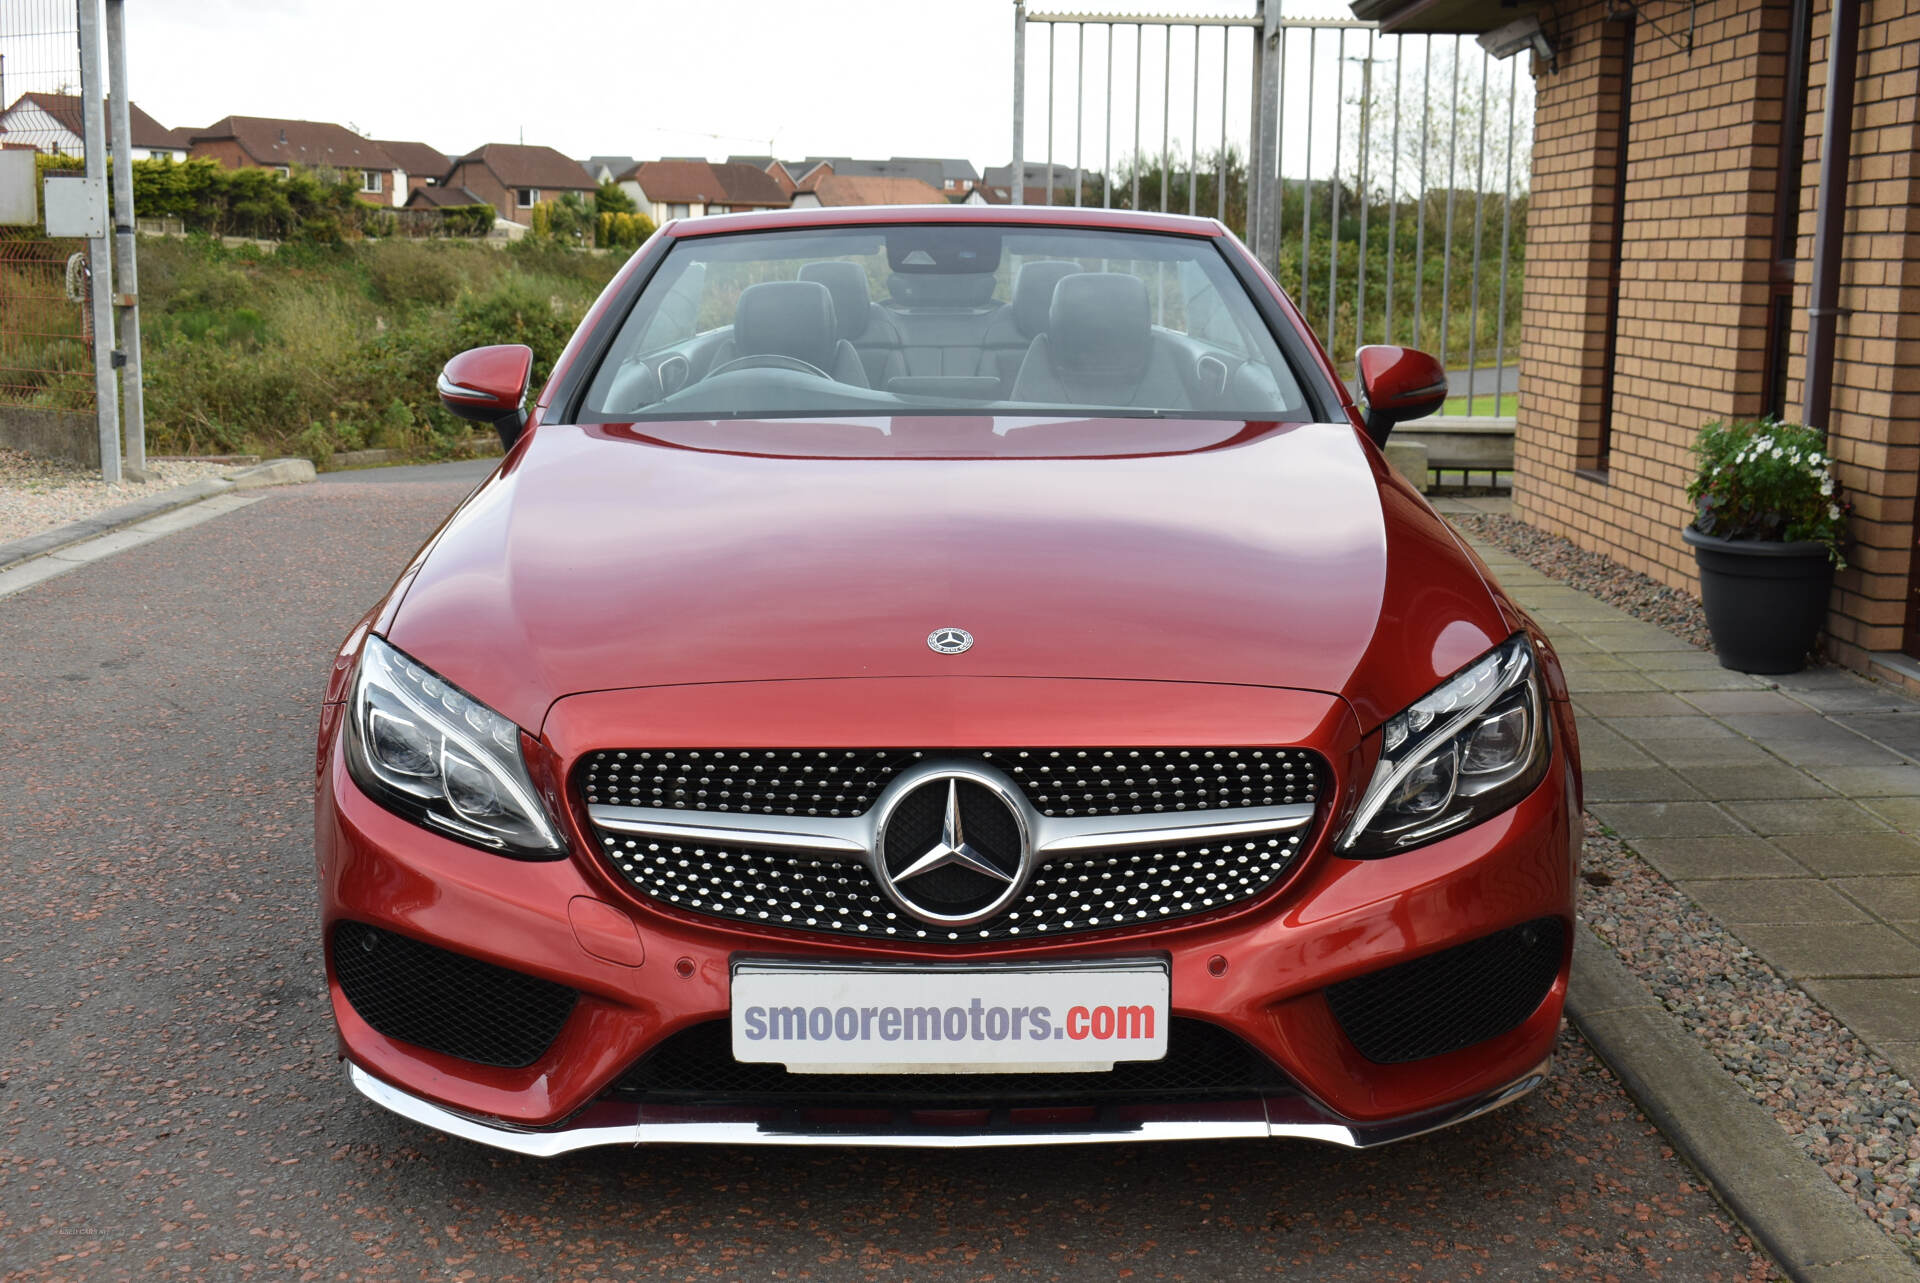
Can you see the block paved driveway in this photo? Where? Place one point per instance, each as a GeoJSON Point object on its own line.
{"type": "Point", "coordinates": [170, 1105]}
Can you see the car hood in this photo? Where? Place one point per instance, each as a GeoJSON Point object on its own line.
{"type": "Point", "coordinates": [1281, 555]}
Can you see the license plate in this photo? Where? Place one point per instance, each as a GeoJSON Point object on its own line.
{"type": "Point", "coordinates": [985, 1018]}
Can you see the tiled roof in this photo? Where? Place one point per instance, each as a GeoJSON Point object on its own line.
{"type": "Point", "coordinates": [313, 143]}
{"type": "Point", "coordinates": [839, 189]}
{"type": "Point", "coordinates": [67, 109]}
{"type": "Point", "coordinates": [521, 165]}
{"type": "Point", "coordinates": [417, 158]}
{"type": "Point", "coordinates": [697, 182]}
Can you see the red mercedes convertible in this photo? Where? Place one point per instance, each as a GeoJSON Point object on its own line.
{"type": "Point", "coordinates": [952, 676]}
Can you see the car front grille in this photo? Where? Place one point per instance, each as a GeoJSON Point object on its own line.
{"type": "Point", "coordinates": [447, 1002]}
{"type": "Point", "coordinates": [1057, 781]}
{"type": "Point", "coordinates": [1203, 1062]}
{"type": "Point", "coordinates": [1453, 998]}
{"type": "Point", "coordinates": [1101, 890]}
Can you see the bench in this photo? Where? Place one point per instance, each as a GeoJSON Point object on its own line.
{"type": "Point", "coordinates": [1424, 448]}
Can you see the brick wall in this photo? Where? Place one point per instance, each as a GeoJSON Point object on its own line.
{"type": "Point", "coordinates": [1695, 251]}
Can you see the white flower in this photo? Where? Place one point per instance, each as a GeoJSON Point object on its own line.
{"type": "Point", "coordinates": [1833, 511]}
{"type": "Point", "coordinates": [1826, 485]}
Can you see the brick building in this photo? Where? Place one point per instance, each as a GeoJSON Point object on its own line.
{"type": "Point", "coordinates": [514, 177]}
{"type": "Point", "coordinates": [262, 142]}
{"type": "Point", "coordinates": [1676, 214]}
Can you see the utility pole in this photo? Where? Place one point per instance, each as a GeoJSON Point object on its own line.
{"type": "Point", "coordinates": [127, 301]}
{"type": "Point", "coordinates": [1019, 102]}
{"type": "Point", "coordinates": [100, 247]}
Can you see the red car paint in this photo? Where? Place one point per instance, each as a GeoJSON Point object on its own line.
{"type": "Point", "coordinates": [1129, 582]}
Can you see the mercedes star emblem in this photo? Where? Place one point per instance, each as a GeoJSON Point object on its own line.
{"type": "Point", "coordinates": [954, 843]}
{"type": "Point", "coordinates": [949, 641]}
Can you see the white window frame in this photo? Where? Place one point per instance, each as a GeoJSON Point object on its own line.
{"type": "Point", "coordinates": [526, 197]}
{"type": "Point", "coordinates": [372, 181]}
{"type": "Point", "coordinates": [283, 170]}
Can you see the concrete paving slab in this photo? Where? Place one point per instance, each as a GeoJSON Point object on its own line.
{"type": "Point", "coordinates": [1634, 820]}
{"type": "Point", "coordinates": [1821, 679]}
{"type": "Point", "coordinates": [1891, 899]}
{"type": "Point", "coordinates": [1704, 752]}
{"type": "Point", "coordinates": [1568, 646]}
{"type": "Point", "coordinates": [1744, 901]}
{"type": "Point", "coordinates": [1689, 657]}
{"type": "Point", "coordinates": [1595, 662]}
{"type": "Point", "coordinates": [1725, 702]}
{"type": "Point", "coordinates": [1699, 859]}
{"type": "Point", "coordinates": [1898, 780]}
{"type": "Point", "coordinates": [1584, 683]}
{"type": "Point", "coordinates": [1809, 739]}
{"type": "Point", "coordinates": [1805, 815]}
{"type": "Point", "coordinates": [1636, 639]}
{"type": "Point", "coordinates": [1635, 704]}
{"type": "Point", "coordinates": [1898, 731]}
{"type": "Point", "coordinates": [1903, 1056]}
{"type": "Point", "coordinates": [1637, 784]}
{"type": "Point", "coordinates": [1755, 781]}
{"type": "Point", "coordinates": [1700, 679]}
{"type": "Point", "coordinates": [1877, 1010]}
{"type": "Point", "coordinates": [1855, 697]}
{"type": "Point", "coordinates": [1647, 730]}
{"type": "Point", "coordinates": [1902, 813]}
{"type": "Point", "coordinates": [1854, 854]}
{"type": "Point", "coordinates": [1832, 950]}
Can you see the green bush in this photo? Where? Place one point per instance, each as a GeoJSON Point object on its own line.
{"type": "Point", "coordinates": [516, 311]}
{"type": "Point", "coordinates": [1768, 481]}
{"type": "Point", "coordinates": [402, 274]}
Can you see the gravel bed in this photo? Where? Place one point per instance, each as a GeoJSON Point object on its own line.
{"type": "Point", "coordinates": [1645, 599]}
{"type": "Point", "coordinates": [36, 494]}
{"type": "Point", "coordinates": [1853, 1113]}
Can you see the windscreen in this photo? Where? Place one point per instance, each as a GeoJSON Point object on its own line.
{"type": "Point", "coordinates": [944, 318]}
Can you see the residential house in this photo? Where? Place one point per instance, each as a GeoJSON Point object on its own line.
{"type": "Point", "coordinates": [420, 165]}
{"type": "Point", "coordinates": [604, 169]}
{"type": "Point", "coordinates": [514, 177]}
{"type": "Point", "coordinates": [667, 189]}
{"type": "Point", "coordinates": [997, 184]}
{"type": "Point", "coordinates": [1681, 196]}
{"type": "Point", "coordinates": [55, 123]}
{"type": "Point", "coordinates": [442, 196]}
{"type": "Point", "coordinates": [839, 189]}
{"type": "Point", "coordinates": [264, 142]}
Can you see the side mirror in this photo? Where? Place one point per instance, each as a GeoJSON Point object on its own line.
{"type": "Point", "coordinates": [489, 385]}
{"type": "Point", "coordinates": [1398, 384]}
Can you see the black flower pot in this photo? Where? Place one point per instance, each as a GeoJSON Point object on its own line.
{"type": "Point", "coordinates": [1765, 601]}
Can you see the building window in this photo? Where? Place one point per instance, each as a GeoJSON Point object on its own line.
{"type": "Point", "coordinates": [527, 197]}
{"type": "Point", "coordinates": [283, 171]}
{"type": "Point", "coordinates": [369, 180]}
{"type": "Point", "coordinates": [676, 211]}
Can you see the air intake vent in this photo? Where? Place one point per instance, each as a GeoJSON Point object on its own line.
{"type": "Point", "coordinates": [447, 1002]}
{"type": "Point", "coordinates": [1451, 999]}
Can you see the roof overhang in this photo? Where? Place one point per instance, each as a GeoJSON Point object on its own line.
{"type": "Point", "coordinates": [1444, 17]}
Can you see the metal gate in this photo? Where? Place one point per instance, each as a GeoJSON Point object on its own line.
{"type": "Point", "coordinates": [46, 344]}
{"type": "Point", "coordinates": [1381, 178]}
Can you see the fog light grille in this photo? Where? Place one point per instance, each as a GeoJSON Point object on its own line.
{"type": "Point", "coordinates": [1451, 999]}
{"type": "Point", "coordinates": [447, 1002]}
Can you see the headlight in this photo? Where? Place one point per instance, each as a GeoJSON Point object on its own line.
{"type": "Point", "coordinates": [1469, 750]}
{"type": "Point", "coordinates": [425, 749]}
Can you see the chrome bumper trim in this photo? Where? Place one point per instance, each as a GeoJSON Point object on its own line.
{"type": "Point", "coordinates": [1276, 1118]}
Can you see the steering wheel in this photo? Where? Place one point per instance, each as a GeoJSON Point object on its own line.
{"type": "Point", "coordinates": [769, 361]}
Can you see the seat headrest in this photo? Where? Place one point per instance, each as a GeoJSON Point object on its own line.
{"type": "Point", "coordinates": [847, 282]}
{"type": "Point", "coordinates": [1033, 293]}
{"type": "Point", "coordinates": [1100, 324]}
{"type": "Point", "coordinates": [940, 290]}
{"type": "Point", "coordinates": [786, 318]}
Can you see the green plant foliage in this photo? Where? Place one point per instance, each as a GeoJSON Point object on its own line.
{"type": "Point", "coordinates": [622, 231]}
{"type": "Point", "coordinates": [208, 197]}
{"type": "Point", "coordinates": [1762, 480]}
{"type": "Point", "coordinates": [610, 199]}
{"type": "Point", "coordinates": [318, 348]}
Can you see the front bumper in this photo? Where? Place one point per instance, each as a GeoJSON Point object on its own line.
{"type": "Point", "coordinates": [644, 974]}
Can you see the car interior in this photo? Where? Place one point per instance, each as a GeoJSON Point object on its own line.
{"type": "Point", "coordinates": [1049, 333]}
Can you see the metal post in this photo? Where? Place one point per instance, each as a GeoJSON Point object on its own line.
{"type": "Point", "coordinates": [1506, 238]}
{"type": "Point", "coordinates": [1079, 109]}
{"type": "Point", "coordinates": [1193, 133]}
{"type": "Point", "coordinates": [1106, 163]}
{"type": "Point", "coordinates": [1019, 102]}
{"type": "Point", "coordinates": [1263, 157]}
{"type": "Point", "coordinates": [1830, 226]}
{"type": "Point", "coordinates": [1420, 202]}
{"type": "Point", "coordinates": [1278, 147]}
{"type": "Point", "coordinates": [1139, 54]}
{"type": "Point", "coordinates": [1166, 111]}
{"type": "Point", "coordinates": [1393, 182]}
{"type": "Point", "coordinates": [1360, 182]}
{"type": "Point", "coordinates": [1053, 30]}
{"type": "Point", "coordinates": [1479, 223]}
{"type": "Point", "coordinates": [1446, 243]}
{"type": "Point", "coordinates": [1333, 184]}
{"type": "Point", "coordinates": [1220, 183]}
{"type": "Point", "coordinates": [99, 248]}
{"type": "Point", "coordinates": [135, 428]}
{"type": "Point", "coordinates": [1306, 175]}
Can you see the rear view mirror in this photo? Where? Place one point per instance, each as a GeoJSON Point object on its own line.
{"type": "Point", "coordinates": [1398, 383]}
{"type": "Point", "coordinates": [489, 385]}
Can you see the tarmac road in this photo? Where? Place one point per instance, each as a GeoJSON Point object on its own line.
{"type": "Point", "coordinates": [171, 1106]}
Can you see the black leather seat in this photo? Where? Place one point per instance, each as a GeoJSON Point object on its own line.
{"type": "Point", "coordinates": [859, 320]}
{"type": "Point", "coordinates": [792, 319]}
{"type": "Point", "coordinates": [1100, 349]}
{"type": "Point", "coordinates": [1013, 328]}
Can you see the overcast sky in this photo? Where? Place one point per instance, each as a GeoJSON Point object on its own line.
{"type": "Point", "coordinates": [851, 77]}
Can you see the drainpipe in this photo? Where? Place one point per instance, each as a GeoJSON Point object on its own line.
{"type": "Point", "coordinates": [1836, 148]}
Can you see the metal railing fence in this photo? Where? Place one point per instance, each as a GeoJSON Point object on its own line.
{"type": "Point", "coordinates": [1381, 178]}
